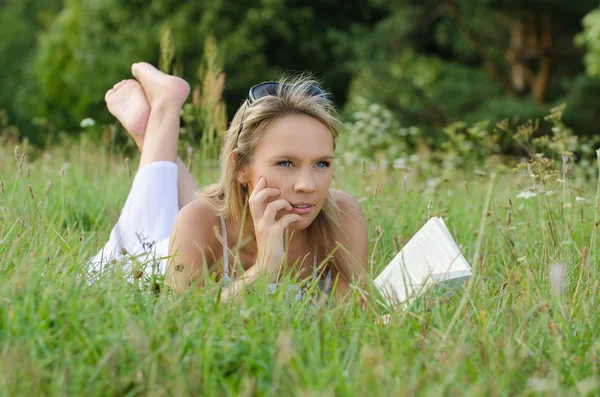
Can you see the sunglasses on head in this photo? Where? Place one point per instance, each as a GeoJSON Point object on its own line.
{"type": "Point", "coordinates": [271, 88]}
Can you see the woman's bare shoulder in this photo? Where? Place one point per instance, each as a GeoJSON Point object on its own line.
{"type": "Point", "coordinates": [346, 201]}
{"type": "Point", "coordinates": [193, 244]}
{"type": "Point", "coordinates": [197, 219]}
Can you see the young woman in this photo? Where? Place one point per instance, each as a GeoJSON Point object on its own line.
{"type": "Point", "coordinates": [273, 207]}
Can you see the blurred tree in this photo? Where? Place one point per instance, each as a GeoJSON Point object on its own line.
{"type": "Point", "coordinates": [590, 38]}
{"type": "Point", "coordinates": [92, 43]}
{"type": "Point", "coordinates": [20, 23]}
{"type": "Point", "coordinates": [436, 61]}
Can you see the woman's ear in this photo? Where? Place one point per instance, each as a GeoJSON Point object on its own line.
{"type": "Point", "coordinates": [242, 177]}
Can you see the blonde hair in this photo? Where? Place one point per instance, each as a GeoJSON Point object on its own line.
{"type": "Point", "coordinates": [227, 197]}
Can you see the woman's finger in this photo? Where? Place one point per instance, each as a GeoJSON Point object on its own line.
{"type": "Point", "coordinates": [274, 207]}
{"type": "Point", "coordinates": [256, 203]}
{"type": "Point", "coordinates": [258, 187]}
{"type": "Point", "coordinates": [285, 221]}
{"type": "Point", "coordinates": [264, 194]}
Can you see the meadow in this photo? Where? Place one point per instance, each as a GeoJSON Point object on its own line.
{"type": "Point", "coordinates": [525, 324]}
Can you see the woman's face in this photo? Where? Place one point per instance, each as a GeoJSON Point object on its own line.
{"type": "Point", "coordinates": [295, 155]}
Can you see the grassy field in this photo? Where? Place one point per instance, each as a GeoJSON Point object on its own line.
{"type": "Point", "coordinates": [526, 323]}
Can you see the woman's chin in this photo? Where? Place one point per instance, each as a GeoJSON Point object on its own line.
{"type": "Point", "coordinates": [303, 224]}
{"type": "Point", "coordinates": [298, 226]}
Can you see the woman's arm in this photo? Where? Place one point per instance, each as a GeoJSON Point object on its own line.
{"type": "Point", "coordinates": [193, 246]}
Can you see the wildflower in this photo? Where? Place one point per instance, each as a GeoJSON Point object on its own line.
{"type": "Point", "coordinates": [527, 194]}
{"type": "Point", "coordinates": [87, 122]}
{"type": "Point", "coordinates": [598, 154]}
{"type": "Point", "coordinates": [549, 193]}
{"type": "Point", "coordinates": [559, 180]}
{"type": "Point", "coordinates": [539, 155]}
{"type": "Point", "coordinates": [399, 163]}
{"type": "Point", "coordinates": [413, 158]}
{"type": "Point", "coordinates": [578, 198]}
{"type": "Point", "coordinates": [557, 279]}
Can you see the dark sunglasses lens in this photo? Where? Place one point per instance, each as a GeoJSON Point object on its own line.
{"type": "Point", "coordinates": [315, 90]}
{"type": "Point", "coordinates": [262, 90]}
{"type": "Point", "coordinates": [270, 88]}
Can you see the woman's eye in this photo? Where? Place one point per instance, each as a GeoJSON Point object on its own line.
{"type": "Point", "coordinates": [323, 164]}
{"type": "Point", "coordinates": [285, 163]}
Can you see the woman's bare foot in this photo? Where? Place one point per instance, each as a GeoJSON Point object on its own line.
{"type": "Point", "coordinates": [127, 102]}
{"type": "Point", "coordinates": [160, 88]}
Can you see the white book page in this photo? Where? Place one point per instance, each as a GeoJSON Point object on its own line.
{"type": "Point", "coordinates": [431, 256]}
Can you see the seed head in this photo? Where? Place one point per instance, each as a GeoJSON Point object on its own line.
{"type": "Point", "coordinates": [31, 191]}
{"type": "Point", "coordinates": [127, 166]}
{"type": "Point", "coordinates": [21, 161]}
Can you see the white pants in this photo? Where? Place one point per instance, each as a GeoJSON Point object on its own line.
{"type": "Point", "coordinates": [142, 231]}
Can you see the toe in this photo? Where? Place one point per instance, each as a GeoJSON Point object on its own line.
{"type": "Point", "coordinates": [119, 84]}
{"type": "Point", "coordinates": [108, 94]}
{"type": "Point", "coordinates": [134, 70]}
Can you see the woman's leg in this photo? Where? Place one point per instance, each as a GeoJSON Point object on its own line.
{"type": "Point", "coordinates": [152, 204]}
{"type": "Point", "coordinates": [127, 102]}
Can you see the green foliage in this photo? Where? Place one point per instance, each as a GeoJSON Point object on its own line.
{"type": "Point", "coordinates": [373, 133]}
{"type": "Point", "coordinates": [590, 38]}
{"type": "Point", "coordinates": [92, 44]}
{"type": "Point", "coordinates": [21, 21]}
{"type": "Point", "coordinates": [434, 64]}
{"type": "Point", "coordinates": [472, 143]}
{"type": "Point", "coordinates": [90, 47]}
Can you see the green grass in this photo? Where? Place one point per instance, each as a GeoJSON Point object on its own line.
{"type": "Point", "coordinates": [504, 333]}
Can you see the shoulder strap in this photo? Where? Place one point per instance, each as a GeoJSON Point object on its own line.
{"type": "Point", "coordinates": [225, 252]}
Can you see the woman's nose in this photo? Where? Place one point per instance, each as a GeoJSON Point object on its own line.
{"type": "Point", "coordinates": [305, 183]}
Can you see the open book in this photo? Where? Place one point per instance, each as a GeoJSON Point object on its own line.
{"type": "Point", "coordinates": [430, 259]}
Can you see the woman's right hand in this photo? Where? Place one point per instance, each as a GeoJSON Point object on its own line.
{"type": "Point", "coordinates": [268, 230]}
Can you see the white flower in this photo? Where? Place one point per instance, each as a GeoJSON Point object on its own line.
{"type": "Point", "coordinates": [400, 163]}
{"type": "Point", "coordinates": [568, 205]}
{"type": "Point", "coordinates": [560, 180]}
{"type": "Point", "coordinates": [598, 154]}
{"type": "Point", "coordinates": [549, 193]}
{"type": "Point", "coordinates": [413, 158]}
{"type": "Point", "coordinates": [87, 122]}
{"type": "Point", "coordinates": [539, 155]}
{"type": "Point", "coordinates": [526, 194]}
{"type": "Point", "coordinates": [578, 198]}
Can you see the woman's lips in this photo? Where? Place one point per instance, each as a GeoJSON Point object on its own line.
{"type": "Point", "coordinates": [302, 210]}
